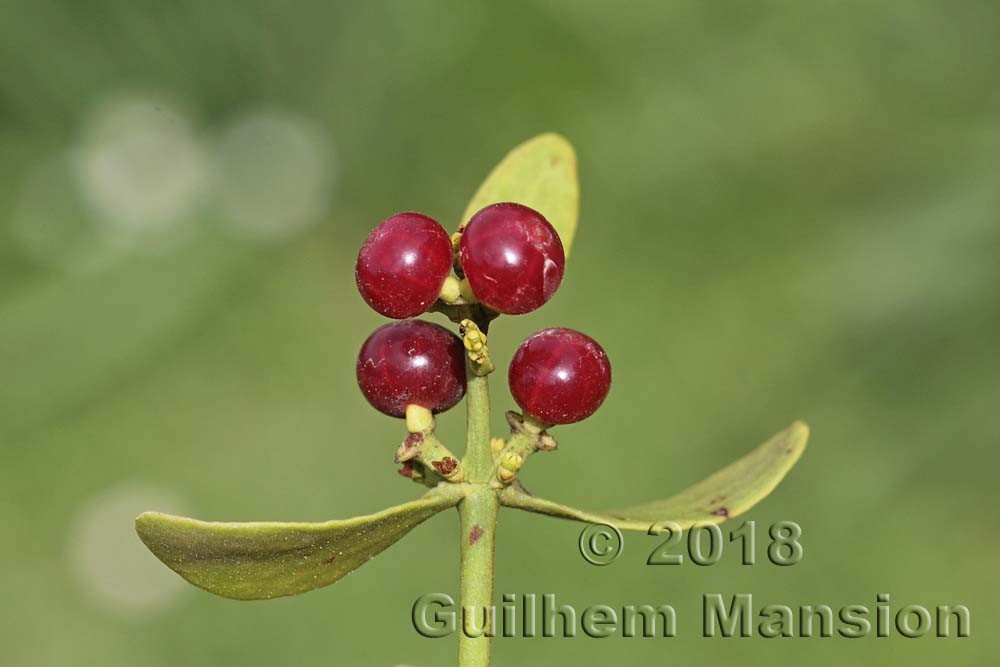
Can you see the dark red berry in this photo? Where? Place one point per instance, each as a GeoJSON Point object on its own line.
{"type": "Point", "coordinates": [559, 376]}
{"type": "Point", "coordinates": [512, 258]}
{"type": "Point", "coordinates": [412, 362]}
{"type": "Point", "coordinates": [403, 264]}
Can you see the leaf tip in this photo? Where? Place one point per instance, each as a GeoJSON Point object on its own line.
{"type": "Point", "coordinates": [149, 524]}
{"type": "Point", "coordinates": [556, 140]}
{"type": "Point", "coordinates": [144, 520]}
{"type": "Point", "coordinates": [560, 151]}
{"type": "Point", "coordinates": [798, 433]}
{"type": "Point", "coordinates": [149, 517]}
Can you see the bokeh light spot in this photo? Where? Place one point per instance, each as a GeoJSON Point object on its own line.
{"type": "Point", "coordinates": [140, 166]}
{"type": "Point", "coordinates": [108, 560]}
{"type": "Point", "coordinates": [275, 174]}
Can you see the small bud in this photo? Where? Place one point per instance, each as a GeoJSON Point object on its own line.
{"type": "Point", "coordinates": [512, 461]}
{"type": "Point", "coordinates": [509, 465]}
{"type": "Point", "coordinates": [474, 341]}
{"type": "Point", "coordinates": [497, 445]}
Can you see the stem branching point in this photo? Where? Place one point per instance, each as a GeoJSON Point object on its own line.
{"type": "Point", "coordinates": [528, 436]}
{"type": "Point", "coordinates": [422, 447]}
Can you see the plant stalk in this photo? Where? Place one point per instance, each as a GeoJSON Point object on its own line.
{"type": "Point", "coordinates": [478, 455]}
{"type": "Point", "coordinates": [478, 512]}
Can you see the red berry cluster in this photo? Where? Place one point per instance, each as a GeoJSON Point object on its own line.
{"type": "Point", "coordinates": [513, 261]}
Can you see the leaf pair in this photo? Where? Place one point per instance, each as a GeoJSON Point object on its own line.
{"type": "Point", "coordinates": [254, 561]}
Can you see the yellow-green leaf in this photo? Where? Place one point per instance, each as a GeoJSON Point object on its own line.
{"type": "Point", "coordinates": [723, 495]}
{"type": "Point", "coordinates": [540, 173]}
{"type": "Point", "coordinates": [257, 561]}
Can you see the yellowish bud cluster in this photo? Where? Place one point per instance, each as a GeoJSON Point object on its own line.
{"type": "Point", "coordinates": [510, 463]}
{"type": "Point", "coordinates": [474, 341]}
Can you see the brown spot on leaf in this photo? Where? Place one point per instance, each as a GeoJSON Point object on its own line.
{"type": "Point", "coordinates": [330, 559]}
{"type": "Point", "coordinates": [716, 500]}
{"type": "Point", "coordinates": [445, 466]}
{"type": "Point", "coordinates": [475, 533]}
{"type": "Point", "coordinates": [722, 511]}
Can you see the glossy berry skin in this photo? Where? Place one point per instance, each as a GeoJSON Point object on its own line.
{"type": "Point", "coordinates": [512, 257]}
{"type": "Point", "coordinates": [411, 362]}
{"type": "Point", "coordinates": [403, 264]}
{"type": "Point", "coordinates": [560, 376]}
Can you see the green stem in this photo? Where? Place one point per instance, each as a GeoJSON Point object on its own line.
{"type": "Point", "coordinates": [478, 511]}
{"type": "Point", "coordinates": [478, 455]}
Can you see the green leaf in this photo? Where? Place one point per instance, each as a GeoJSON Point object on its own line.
{"type": "Point", "coordinates": [540, 173]}
{"type": "Point", "coordinates": [727, 493]}
{"type": "Point", "coordinates": [258, 561]}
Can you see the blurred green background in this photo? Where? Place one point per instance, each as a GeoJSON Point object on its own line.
{"type": "Point", "coordinates": [790, 210]}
